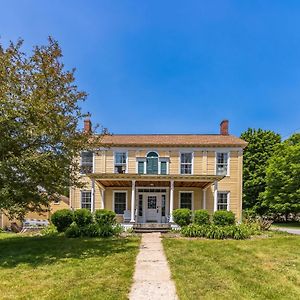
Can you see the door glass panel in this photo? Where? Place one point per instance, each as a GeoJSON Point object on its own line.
{"type": "Point", "coordinates": [151, 202]}
{"type": "Point", "coordinates": [140, 205]}
{"type": "Point", "coordinates": [163, 205]}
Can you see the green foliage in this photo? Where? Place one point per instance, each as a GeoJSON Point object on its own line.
{"type": "Point", "coordinates": [83, 217]}
{"type": "Point", "coordinates": [73, 231]}
{"type": "Point", "coordinates": [201, 217]}
{"type": "Point", "coordinates": [62, 219]}
{"type": "Point", "coordinates": [90, 230]}
{"type": "Point", "coordinates": [237, 232]}
{"type": "Point", "coordinates": [39, 116]}
{"type": "Point", "coordinates": [182, 216]}
{"type": "Point", "coordinates": [261, 145]}
{"type": "Point", "coordinates": [104, 216]}
{"type": "Point", "coordinates": [50, 230]}
{"type": "Point", "coordinates": [223, 218]}
{"type": "Point", "coordinates": [282, 195]}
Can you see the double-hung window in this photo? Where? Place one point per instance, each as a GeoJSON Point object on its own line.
{"type": "Point", "coordinates": [86, 199]}
{"type": "Point", "coordinates": [186, 199]}
{"type": "Point", "coordinates": [120, 162]}
{"type": "Point", "coordinates": [186, 160]}
{"type": "Point", "coordinates": [120, 202]}
{"type": "Point", "coordinates": [163, 167]}
{"type": "Point", "coordinates": [141, 163]}
{"type": "Point", "coordinates": [86, 164]}
{"type": "Point", "coordinates": [223, 201]}
{"type": "Point", "coordinates": [222, 163]}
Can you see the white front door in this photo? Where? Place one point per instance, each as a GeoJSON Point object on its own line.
{"type": "Point", "coordinates": [153, 208]}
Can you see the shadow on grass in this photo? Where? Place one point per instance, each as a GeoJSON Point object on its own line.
{"type": "Point", "coordinates": [37, 251]}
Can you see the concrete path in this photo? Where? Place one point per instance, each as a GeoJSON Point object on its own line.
{"type": "Point", "coordinates": [289, 230]}
{"type": "Point", "coordinates": [152, 277]}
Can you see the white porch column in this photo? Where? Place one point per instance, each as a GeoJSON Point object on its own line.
{"type": "Point", "coordinates": [215, 195]}
{"type": "Point", "coordinates": [171, 201]}
{"type": "Point", "coordinates": [132, 201]}
{"type": "Point", "coordinates": [204, 198]}
{"type": "Point", "coordinates": [93, 195]}
{"type": "Point", "coordinates": [102, 198]}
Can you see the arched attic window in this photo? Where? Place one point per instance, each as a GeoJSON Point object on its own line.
{"type": "Point", "coordinates": [152, 163]}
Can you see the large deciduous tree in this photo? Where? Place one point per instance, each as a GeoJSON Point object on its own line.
{"type": "Point", "coordinates": [282, 194]}
{"type": "Point", "coordinates": [260, 148]}
{"type": "Point", "coordinates": [39, 114]}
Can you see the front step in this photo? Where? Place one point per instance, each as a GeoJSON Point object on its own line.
{"type": "Point", "coordinates": [151, 227]}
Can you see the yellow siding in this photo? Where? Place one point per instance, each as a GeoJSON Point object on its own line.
{"type": "Point", "coordinates": [211, 162]}
{"type": "Point", "coordinates": [109, 165]}
{"type": "Point", "coordinates": [198, 167]}
{"type": "Point", "coordinates": [174, 162]}
{"type": "Point", "coordinates": [132, 161]}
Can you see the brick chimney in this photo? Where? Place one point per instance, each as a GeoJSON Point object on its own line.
{"type": "Point", "coordinates": [87, 124]}
{"type": "Point", "coordinates": [224, 127]}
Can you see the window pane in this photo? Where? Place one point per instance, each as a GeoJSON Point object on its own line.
{"type": "Point", "coordinates": [222, 164]}
{"type": "Point", "coordinates": [186, 158]}
{"type": "Point", "coordinates": [163, 168]}
{"type": "Point", "coordinates": [152, 165]}
{"type": "Point", "coordinates": [186, 200]}
{"type": "Point", "coordinates": [120, 202]}
{"type": "Point", "coordinates": [86, 162]}
{"type": "Point", "coordinates": [141, 167]}
{"type": "Point", "coordinates": [222, 201]}
{"type": "Point", "coordinates": [152, 202]}
{"type": "Point", "coordinates": [120, 158]}
{"type": "Point", "coordinates": [86, 199]}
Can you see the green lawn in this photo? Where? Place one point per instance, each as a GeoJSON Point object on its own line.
{"type": "Point", "coordinates": [60, 268]}
{"type": "Point", "coordinates": [260, 268]}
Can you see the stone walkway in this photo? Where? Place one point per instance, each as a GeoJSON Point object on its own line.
{"type": "Point", "coordinates": [289, 230]}
{"type": "Point", "coordinates": [152, 277]}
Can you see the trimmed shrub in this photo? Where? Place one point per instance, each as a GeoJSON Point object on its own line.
{"type": "Point", "coordinates": [73, 231]}
{"type": "Point", "coordinates": [223, 218]}
{"type": "Point", "coordinates": [91, 230]}
{"type": "Point", "coordinates": [182, 216]}
{"type": "Point", "coordinates": [50, 230]}
{"type": "Point", "coordinates": [105, 217]}
{"type": "Point", "coordinates": [201, 217]}
{"type": "Point", "coordinates": [237, 232]}
{"type": "Point", "coordinates": [62, 219]}
{"type": "Point", "coordinates": [83, 217]}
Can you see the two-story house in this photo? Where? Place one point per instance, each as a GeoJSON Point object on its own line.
{"type": "Point", "coordinates": [143, 178]}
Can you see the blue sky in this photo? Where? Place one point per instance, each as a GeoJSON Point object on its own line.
{"type": "Point", "coordinates": [173, 66]}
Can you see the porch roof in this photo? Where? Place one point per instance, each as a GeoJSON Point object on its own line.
{"type": "Point", "coordinates": [125, 180]}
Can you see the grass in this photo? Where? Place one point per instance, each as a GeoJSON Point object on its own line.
{"type": "Point", "coordinates": [260, 268]}
{"type": "Point", "coordinates": [291, 225]}
{"type": "Point", "coordinates": [60, 268]}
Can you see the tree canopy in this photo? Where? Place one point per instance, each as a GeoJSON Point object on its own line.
{"type": "Point", "coordinates": [260, 148]}
{"type": "Point", "coordinates": [282, 194]}
{"type": "Point", "coordinates": [39, 115]}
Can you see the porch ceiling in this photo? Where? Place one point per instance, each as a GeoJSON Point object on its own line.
{"type": "Point", "coordinates": [125, 180]}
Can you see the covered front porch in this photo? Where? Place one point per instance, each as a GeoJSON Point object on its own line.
{"type": "Point", "coordinates": [151, 199]}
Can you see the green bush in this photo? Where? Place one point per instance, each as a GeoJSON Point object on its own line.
{"type": "Point", "coordinates": [83, 217]}
{"type": "Point", "coordinates": [73, 231]}
{"type": "Point", "coordinates": [237, 232]}
{"type": "Point", "coordinates": [105, 217]}
{"type": "Point", "coordinates": [182, 216]}
{"type": "Point", "coordinates": [50, 230]}
{"type": "Point", "coordinates": [91, 230]}
{"type": "Point", "coordinates": [223, 218]}
{"type": "Point", "coordinates": [201, 217]}
{"type": "Point", "coordinates": [62, 219]}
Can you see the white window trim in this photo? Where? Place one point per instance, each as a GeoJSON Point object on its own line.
{"type": "Point", "coordinates": [228, 199]}
{"type": "Point", "coordinates": [228, 162]}
{"type": "Point", "coordinates": [113, 202]}
{"type": "Point", "coordinates": [167, 161]}
{"type": "Point", "coordinates": [80, 164]}
{"type": "Point", "coordinates": [182, 152]}
{"type": "Point", "coordinates": [138, 159]}
{"type": "Point", "coordinates": [114, 154]}
{"type": "Point", "coordinates": [192, 192]}
{"type": "Point", "coordinates": [90, 191]}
